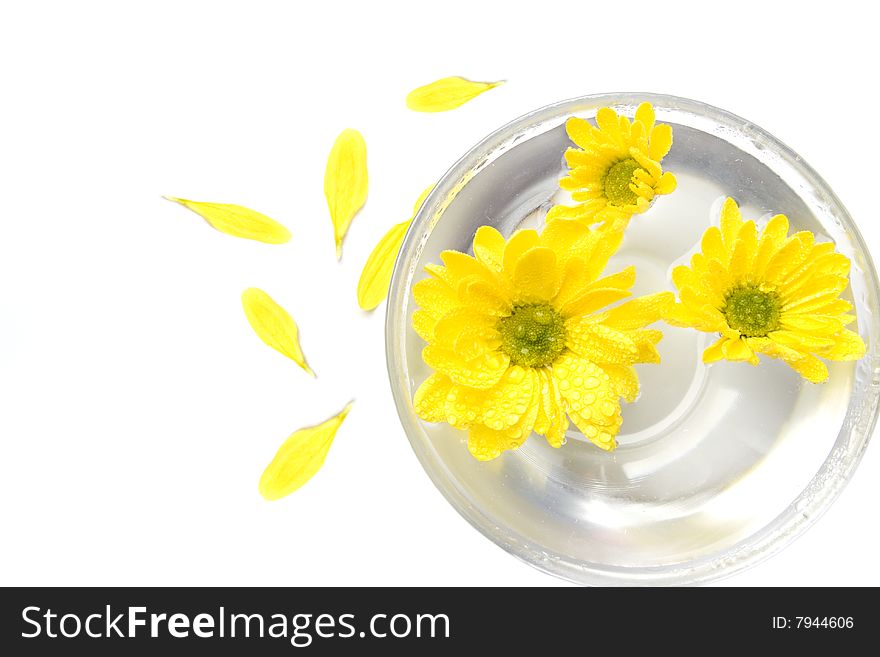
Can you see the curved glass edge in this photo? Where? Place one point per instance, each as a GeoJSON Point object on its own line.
{"type": "Point", "coordinates": [803, 512]}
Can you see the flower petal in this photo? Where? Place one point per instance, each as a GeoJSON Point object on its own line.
{"type": "Point", "coordinates": [715, 351]}
{"type": "Point", "coordinates": [590, 401]}
{"type": "Point", "coordinates": [645, 116]}
{"type": "Point", "coordinates": [486, 443]}
{"type": "Point", "coordinates": [435, 296]}
{"type": "Point", "coordinates": [731, 221]}
{"type": "Point", "coordinates": [807, 365]}
{"type": "Point", "coordinates": [376, 275]}
{"type": "Point", "coordinates": [429, 401]}
{"type": "Point", "coordinates": [737, 350]}
{"type": "Point", "coordinates": [552, 421]}
{"type": "Point", "coordinates": [238, 221]}
{"type": "Point", "coordinates": [345, 182]}
{"type": "Point", "coordinates": [273, 325]}
{"type": "Point", "coordinates": [489, 247]}
{"type": "Point", "coordinates": [848, 345]}
{"type": "Point", "coordinates": [599, 343]}
{"type": "Point", "coordinates": [660, 142]}
{"type": "Point", "coordinates": [536, 277]}
{"type": "Point", "coordinates": [300, 457]}
{"type": "Point", "coordinates": [446, 94]}
{"type": "Point", "coordinates": [772, 239]}
{"type": "Point", "coordinates": [640, 311]}
{"type": "Point", "coordinates": [482, 372]}
{"type": "Point", "coordinates": [517, 245]}
{"type": "Point", "coordinates": [624, 380]}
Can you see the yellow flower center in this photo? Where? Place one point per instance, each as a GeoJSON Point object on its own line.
{"type": "Point", "coordinates": [617, 182]}
{"type": "Point", "coordinates": [751, 311]}
{"type": "Point", "coordinates": [532, 335]}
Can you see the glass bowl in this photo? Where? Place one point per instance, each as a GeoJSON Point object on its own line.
{"type": "Point", "coordinates": [718, 466]}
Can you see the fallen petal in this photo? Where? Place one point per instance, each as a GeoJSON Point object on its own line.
{"type": "Point", "coordinates": [300, 458]}
{"type": "Point", "coordinates": [345, 182]}
{"type": "Point", "coordinates": [273, 325]}
{"type": "Point", "coordinates": [238, 221]}
{"type": "Point", "coordinates": [446, 94]}
{"type": "Point", "coordinates": [376, 276]}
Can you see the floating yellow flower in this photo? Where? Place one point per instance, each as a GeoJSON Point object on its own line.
{"type": "Point", "coordinates": [519, 341]}
{"type": "Point", "coordinates": [615, 171]}
{"type": "Point", "coordinates": [767, 294]}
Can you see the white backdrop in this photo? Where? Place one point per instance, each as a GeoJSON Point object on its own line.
{"type": "Point", "coordinates": [138, 409]}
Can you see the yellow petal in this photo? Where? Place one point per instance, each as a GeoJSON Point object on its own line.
{"type": "Point", "coordinates": [489, 247]}
{"type": "Point", "coordinates": [848, 345]}
{"type": "Point", "coordinates": [429, 401]}
{"type": "Point", "coordinates": [517, 245]}
{"type": "Point", "coordinates": [238, 221]}
{"type": "Point", "coordinates": [345, 182]}
{"type": "Point", "coordinates": [713, 247]}
{"type": "Point", "coordinates": [376, 276]}
{"type": "Point", "coordinates": [300, 458]}
{"type": "Point", "coordinates": [446, 94]}
{"type": "Point", "coordinates": [737, 350]}
{"type": "Point", "coordinates": [482, 372]}
{"type": "Point", "coordinates": [715, 351]}
{"type": "Point", "coordinates": [590, 401]}
{"type": "Point", "coordinates": [731, 222]}
{"type": "Point", "coordinates": [661, 142]}
{"type": "Point", "coordinates": [640, 311]}
{"type": "Point", "coordinates": [273, 325]}
{"type": "Point", "coordinates": [599, 343]}
{"type": "Point", "coordinates": [645, 115]}
{"type": "Point", "coordinates": [624, 380]}
{"type": "Point", "coordinates": [536, 276]}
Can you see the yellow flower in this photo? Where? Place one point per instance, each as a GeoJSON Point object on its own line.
{"type": "Point", "coordinates": [615, 171]}
{"type": "Point", "coordinates": [767, 294]}
{"type": "Point", "coordinates": [520, 342]}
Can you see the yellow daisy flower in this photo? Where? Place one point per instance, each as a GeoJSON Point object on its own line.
{"type": "Point", "coordinates": [615, 171]}
{"type": "Point", "coordinates": [767, 294]}
{"type": "Point", "coordinates": [521, 339]}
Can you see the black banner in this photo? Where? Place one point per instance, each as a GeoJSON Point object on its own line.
{"type": "Point", "coordinates": [278, 621]}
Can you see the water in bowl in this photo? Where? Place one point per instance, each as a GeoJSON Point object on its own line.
{"type": "Point", "coordinates": [708, 455]}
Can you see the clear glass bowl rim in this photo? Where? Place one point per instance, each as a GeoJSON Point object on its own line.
{"type": "Point", "coordinates": [801, 514]}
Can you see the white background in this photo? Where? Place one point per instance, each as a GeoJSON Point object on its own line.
{"type": "Point", "coordinates": [138, 409]}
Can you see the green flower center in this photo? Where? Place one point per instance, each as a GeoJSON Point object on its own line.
{"type": "Point", "coordinates": [532, 335]}
{"type": "Point", "coordinates": [617, 182]}
{"type": "Point", "coordinates": [751, 311]}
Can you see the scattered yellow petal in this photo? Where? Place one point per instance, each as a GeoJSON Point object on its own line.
{"type": "Point", "coordinates": [345, 182]}
{"type": "Point", "coordinates": [273, 325]}
{"type": "Point", "coordinates": [446, 94]}
{"type": "Point", "coordinates": [376, 276]}
{"type": "Point", "coordinates": [300, 458]}
{"type": "Point", "coordinates": [237, 221]}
